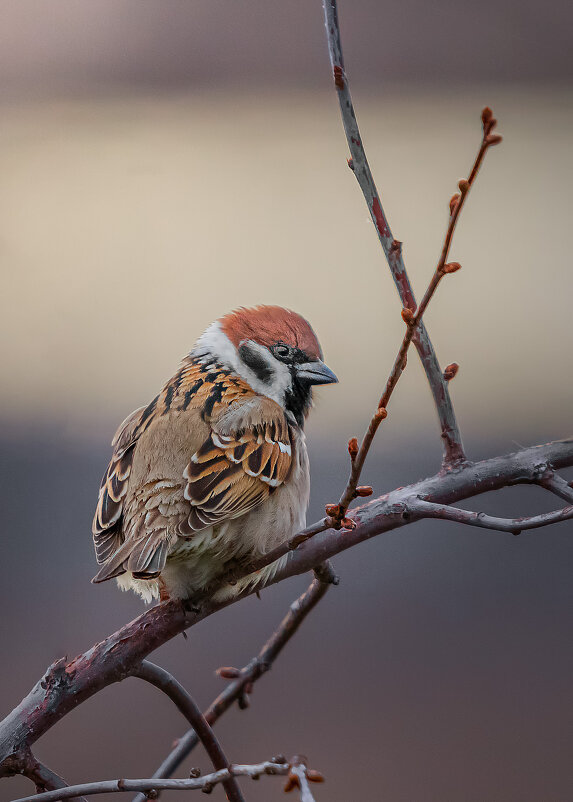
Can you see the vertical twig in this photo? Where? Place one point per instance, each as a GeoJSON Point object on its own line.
{"type": "Point", "coordinates": [452, 441]}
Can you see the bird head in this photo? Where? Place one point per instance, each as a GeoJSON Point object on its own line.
{"type": "Point", "coordinates": [274, 350]}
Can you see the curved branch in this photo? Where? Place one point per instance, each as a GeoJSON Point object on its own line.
{"type": "Point", "coordinates": [259, 665]}
{"type": "Point", "coordinates": [65, 685]}
{"type": "Point", "coordinates": [425, 509]}
{"type": "Point", "coordinates": [451, 436]}
{"type": "Point", "coordinates": [167, 683]}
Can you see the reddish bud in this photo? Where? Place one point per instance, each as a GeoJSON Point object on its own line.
{"type": "Point", "coordinates": [493, 139]}
{"type": "Point", "coordinates": [451, 267]}
{"type": "Point", "coordinates": [353, 448]}
{"type": "Point", "coordinates": [463, 185]}
{"type": "Point", "coordinates": [348, 523]}
{"type": "Point", "coordinates": [228, 672]}
{"type": "Point", "coordinates": [338, 77]}
{"type": "Point", "coordinates": [486, 115]}
{"type": "Point", "coordinates": [364, 490]}
{"type": "Point", "coordinates": [454, 200]}
{"type": "Point", "coordinates": [332, 510]}
{"type": "Point", "coordinates": [407, 315]}
{"type": "Point", "coordinates": [291, 783]}
{"type": "Point", "coordinates": [396, 246]}
{"type": "Point", "coordinates": [350, 163]}
{"type": "Point", "coordinates": [381, 413]}
{"type": "Point", "coordinates": [314, 776]}
{"type": "Point", "coordinates": [451, 371]}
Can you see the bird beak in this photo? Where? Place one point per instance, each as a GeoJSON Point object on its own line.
{"type": "Point", "coordinates": [315, 373]}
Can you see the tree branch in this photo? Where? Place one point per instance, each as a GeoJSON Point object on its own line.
{"type": "Point", "coordinates": [425, 509]}
{"type": "Point", "coordinates": [167, 683]}
{"type": "Point", "coordinates": [244, 679]}
{"type": "Point", "coordinates": [206, 783]}
{"type": "Point", "coordinates": [557, 485]}
{"type": "Point", "coordinates": [451, 437]}
{"type": "Point", "coordinates": [65, 685]}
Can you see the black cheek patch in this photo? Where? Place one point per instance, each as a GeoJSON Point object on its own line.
{"type": "Point", "coordinates": [256, 362]}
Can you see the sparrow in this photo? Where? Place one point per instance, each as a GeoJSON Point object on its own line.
{"type": "Point", "coordinates": [214, 471]}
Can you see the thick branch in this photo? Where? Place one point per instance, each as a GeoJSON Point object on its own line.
{"type": "Point", "coordinates": [163, 680]}
{"type": "Point", "coordinates": [65, 685]}
{"type": "Point", "coordinates": [259, 665]}
{"type": "Point", "coordinates": [452, 441]}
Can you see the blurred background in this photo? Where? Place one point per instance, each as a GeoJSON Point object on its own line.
{"type": "Point", "coordinates": [163, 162]}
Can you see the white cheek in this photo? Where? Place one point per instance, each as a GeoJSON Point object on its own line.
{"type": "Point", "coordinates": [214, 344]}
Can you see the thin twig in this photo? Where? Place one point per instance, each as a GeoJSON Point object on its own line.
{"type": "Point", "coordinates": [259, 665]}
{"type": "Point", "coordinates": [451, 437]}
{"type": "Point", "coordinates": [426, 509]}
{"type": "Point", "coordinates": [167, 683]}
{"type": "Point", "coordinates": [412, 317]}
{"type": "Point", "coordinates": [205, 783]}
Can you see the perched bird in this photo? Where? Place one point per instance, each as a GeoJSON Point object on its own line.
{"type": "Point", "coordinates": [214, 471]}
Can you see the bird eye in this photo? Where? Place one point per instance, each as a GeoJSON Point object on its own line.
{"type": "Point", "coordinates": [281, 351]}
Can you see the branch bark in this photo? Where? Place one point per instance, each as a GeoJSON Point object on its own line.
{"type": "Point", "coordinates": [237, 690]}
{"type": "Point", "coordinates": [205, 784]}
{"type": "Point", "coordinates": [451, 437]}
{"type": "Point", "coordinates": [163, 680]}
{"type": "Point", "coordinates": [65, 685]}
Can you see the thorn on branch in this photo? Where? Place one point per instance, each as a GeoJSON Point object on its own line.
{"type": "Point", "coordinates": [451, 371]}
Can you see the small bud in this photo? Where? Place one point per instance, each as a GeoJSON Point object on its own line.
{"type": "Point", "coordinates": [407, 315]}
{"type": "Point", "coordinates": [493, 139]}
{"type": "Point", "coordinates": [207, 788]}
{"type": "Point", "coordinates": [338, 77]}
{"type": "Point", "coordinates": [332, 510]}
{"type": "Point", "coordinates": [243, 701]}
{"type": "Point", "coordinates": [348, 523]}
{"type": "Point", "coordinates": [396, 246]}
{"type": "Point", "coordinates": [451, 267]}
{"type": "Point", "coordinates": [291, 783]}
{"type": "Point", "coordinates": [381, 413]}
{"type": "Point", "coordinates": [364, 490]}
{"type": "Point", "coordinates": [278, 759]}
{"type": "Point", "coordinates": [486, 115]}
{"type": "Point", "coordinates": [228, 672]}
{"type": "Point", "coordinates": [152, 794]}
{"type": "Point", "coordinates": [451, 371]}
{"type": "Point", "coordinates": [350, 163]}
{"type": "Point", "coordinates": [454, 200]}
{"type": "Point", "coordinates": [463, 185]}
{"type": "Point", "coordinates": [194, 773]}
{"type": "Point", "coordinates": [353, 448]}
{"type": "Point", "coordinates": [314, 776]}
